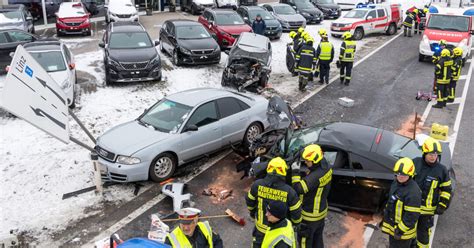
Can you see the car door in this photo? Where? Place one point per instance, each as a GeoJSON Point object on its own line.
{"type": "Point", "coordinates": [234, 119]}
{"type": "Point", "coordinates": [381, 21]}
{"type": "Point", "coordinates": [370, 21]}
{"type": "Point", "coordinates": [208, 136]}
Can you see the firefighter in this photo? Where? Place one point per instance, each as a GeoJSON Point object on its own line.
{"type": "Point", "coordinates": [290, 53]}
{"type": "Point", "coordinates": [408, 22]}
{"type": "Point", "coordinates": [269, 189]}
{"type": "Point", "coordinates": [313, 188]}
{"type": "Point", "coordinates": [305, 63]}
{"type": "Point", "coordinates": [346, 58]}
{"type": "Point", "coordinates": [191, 232]}
{"type": "Point", "coordinates": [322, 32]}
{"type": "Point", "coordinates": [437, 52]}
{"type": "Point", "coordinates": [433, 179]}
{"type": "Point", "coordinates": [325, 55]}
{"type": "Point", "coordinates": [421, 14]}
{"type": "Point", "coordinates": [457, 67]}
{"type": "Point", "coordinates": [299, 39]}
{"type": "Point", "coordinates": [280, 233]}
{"type": "Point", "coordinates": [401, 213]}
{"type": "Point", "coordinates": [443, 72]}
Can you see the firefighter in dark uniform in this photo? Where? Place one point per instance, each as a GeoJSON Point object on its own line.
{"type": "Point", "coordinates": [193, 233]}
{"type": "Point", "coordinates": [443, 73]}
{"type": "Point", "coordinates": [346, 58]}
{"type": "Point", "coordinates": [290, 53]}
{"type": "Point", "coordinates": [408, 22]}
{"type": "Point", "coordinates": [280, 233]}
{"type": "Point", "coordinates": [457, 67]}
{"type": "Point", "coordinates": [421, 14]}
{"type": "Point", "coordinates": [433, 179]}
{"type": "Point", "coordinates": [403, 207]}
{"type": "Point", "coordinates": [325, 55]}
{"type": "Point", "coordinates": [437, 53]}
{"type": "Point", "coordinates": [314, 188]}
{"type": "Point", "coordinates": [305, 63]}
{"type": "Point", "coordinates": [269, 189]}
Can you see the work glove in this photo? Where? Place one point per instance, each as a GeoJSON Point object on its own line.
{"type": "Point", "coordinates": [397, 234]}
{"type": "Point", "coordinates": [338, 64]}
{"type": "Point", "coordinates": [440, 210]}
{"type": "Point", "coordinates": [295, 167]}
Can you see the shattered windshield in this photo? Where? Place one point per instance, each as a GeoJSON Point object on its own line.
{"type": "Point", "coordinates": [298, 139]}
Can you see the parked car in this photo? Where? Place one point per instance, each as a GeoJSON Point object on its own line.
{"type": "Point", "coordinates": [196, 6]}
{"type": "Point", "coordinates": [178, 129]}
{"type": "Point", "coordinates": [9, 40]}
{"type": "Point", "coordinates": [92, 6]}
{"type": "Point", "coordinates": [72, 18]}
{"type": "Point", "coordinates": [249, 13]}
{"type": "Point", "coordinates": [188, 42]}
{"type": "Point", "coordinates": [16, 17]}
{"type": "Point", "coordinates": [362, 159]}
{"type": "Point", "coordinates": [286, 15]}
{"type": "Point", "coordinates": [58, 61]}
{"type": "Point", "coordinates": [233, 4]}
{"type": "Point", "coordinates": [306, 9]}
{"type": "Point", "coordinates": [329, 8]}
{"type": "Point", "coordinates": [248, 63]}
{"type": "Point", "coordinates": [129, 53]}
{"type": "Point", "coordinates": [226, 25]}
{"type": "Point", "coordinates": [121, 10]}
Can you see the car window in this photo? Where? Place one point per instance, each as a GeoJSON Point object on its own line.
{"type": "Point", "coordinates": [129, 40]}
{"type": "Point", "coordinates": [192, 32]}
{"type": "Point", "coordinates": [336, 158]}
{"type": "Point", "coordinates": [361, 163]}
{"type": "Point", "coordinates": [380, 13]}
{"type": "Point", "coordinates": [228, 106]}
{"type": "Point", "coordinates": [3, 38]}
{"type": "Point", "coordinates": [243, 105]}
{"type": "Point", "coordinates": [372, 14]}
{"type": "Point", "coordinates": [301, 138]}
{"type": "Point", "coordinates": [166, 116]}
{"type": "Point", "coordinates": [11, 16]}
{"type": "Point", "coordinates": [204, 115]}
{"type": "Point", "coordinates": [67, 54]}
{"type": "Point", "coordinates": [356, 13]}
{"type": "Point", "coordinates": [51, 61]}
{"type": "Point", "coordinates": [268, 7]}
{"type": "Point", "coordinates": [17, 36]}
{"type": "Point", "coordinates": [263, 13]}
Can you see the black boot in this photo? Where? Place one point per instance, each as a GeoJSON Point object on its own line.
{"type": "Point", "coordinates": [450, 99]}
{"type": "Point", "coordinates": [347, 82]}
{"type": "Point", "coordinates": [438, 105]}
{"type": "Point", "coordinates": [342, 80]}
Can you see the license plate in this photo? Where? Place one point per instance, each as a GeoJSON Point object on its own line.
{"type": "Point", "coordinates": [103, 168]}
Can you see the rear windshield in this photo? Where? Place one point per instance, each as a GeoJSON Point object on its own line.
{"type": "Point", "coordinates": [229, 19]}
{"type": "Point", "coordinates": [13, 16]}
{"type": "Point", "coordinates": [263, 13]}
{"type": "Point", "coordinates": [129, 40]}
{"type": "Point", "coordinates": [51, 61]}
{"type": "Point", "coordinates": [284, 10]}
{"type": "Point", "coordinates": [356, 13]}
{"type": "Point", "coordinates": [449, 23]}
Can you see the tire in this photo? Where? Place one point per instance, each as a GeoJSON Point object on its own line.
{"type": "Point", "coordinates": [463, 61]}
{"type": "Point", "coordinates": [162, 167]}
{"type": "Point", "coordinates": [417, 98]}
{"type": "Point", "coordinates": [89, 33]}
{"type": "Point", "coordinates": [392, 29]}
{"type": "Point", "coordinates": [182, 8]}
{"type": "Point", "coordinates": [358, 34]}
{"type": "Point", "coordinates": [421, 57]}
{"type": "Point", "coordinates": [176, 58]}
{"type": "Point", "coordinates": [251, 133]}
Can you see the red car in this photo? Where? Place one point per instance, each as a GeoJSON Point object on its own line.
{"type": "Point", "coordinates": [225, 25]}
{"type": "Point", "coordinates": [72, 18]}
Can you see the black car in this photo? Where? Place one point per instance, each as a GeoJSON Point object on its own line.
{"type": "Point", "coordinates": [249, 13]}
{"type": "Point", "coordinates": [16, 16]}
{"type": "Point", "coordinates": [188, 42]}
{"type": "Point", "coordinates": [362, 158]}
{"type": "Point", "coordinates": [129, 53]}
{"type": "Point", "coordinates": [306, 9]}
{"type": "Point", "coordinates": [9, 40]}
{"type": "Point", "coordinates": [92, 6]}
{"type": "Point", "coordinates": [329, 8]}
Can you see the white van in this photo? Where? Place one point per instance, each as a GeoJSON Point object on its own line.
{"type": "Point", "coordinates": [121, 10]}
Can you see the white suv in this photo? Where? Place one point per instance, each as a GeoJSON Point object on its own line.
{"type": "Point", "coordinates": [121, 10]}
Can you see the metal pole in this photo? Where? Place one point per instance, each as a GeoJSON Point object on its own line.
{"type": "Point", "coordinates": [80, 143]}
{"type": "Point", "coordinates": [97, 176]}
{"type": "Point", "coordinates": [82, 126]}
{"type": "Point", "coordinates": [414, 129]}
{"type": "Point", "coordinates": [45, 17]}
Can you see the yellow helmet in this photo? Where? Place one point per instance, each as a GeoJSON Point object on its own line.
{"type": "Point", "coordinates": [425, 10]}
{"type": "Point", "coordinates": [277, 166]}
{"type": "Point", "coordinates": [300, 30]}
{"type": "Point", "coordinates": [457, 51]}
{"type": "Point", "coordinates": [415, 11]}
{"type": "Point", "coordinates": [323, 32]}
{"type": "Point", "coordinates": [404, 166]}
{"type": "Point", "coordinates": [445, 53]}
{"type": "Point", "coordinates": [292, 34]}
{"type": "Point", "coordinates": [307, 37]}
{"type": "Point", "coordinates": [346, 35]}
{"type": "Point", "coordinates": [312, 153]}
{"type": "Point", "coordinates": [431, 145]}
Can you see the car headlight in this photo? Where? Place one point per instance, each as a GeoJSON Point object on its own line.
{"type": "Point", "coordinates": [66, 84]}
{"type": "Point", "coordinates": [306, 14]}
{"type": "Point", "coordinates": [217, 50]}
{"type": "Point", "coordinates": [114, 63]}
{"type": "Point", "coordinates": [128, 160]}
{"type": "Point", "coordinates": [185, 51]}
{"type": "Point", "coordinates": [426, 40]}
{"type": "Point", "coordinates": [155, 60]}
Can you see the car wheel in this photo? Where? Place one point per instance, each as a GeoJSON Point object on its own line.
{"type": "Point", "coordinates": [421, 57]}
{"type": "Point", "coordinates": [463, 61]}
{"type": "Point", "coordinates": [176, 58]}
{"type": "Point", "coordinates": [107, 20]}
{"type": "Point", "coordinates": [252, 132]}
{"type": "Point", "coordinates": [358, 34]}
{"type": "Point", "coordinates": [162, 167]}
{"type": "Point", "coordinates": [392, 29]}
{"type": "Point", "coordinates": [182, 8]}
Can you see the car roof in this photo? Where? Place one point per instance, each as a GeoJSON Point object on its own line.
{"type": "Point", "coordinates": [183, 22]}
{"type": "Point", "coordinates": [126, 27]}
{"type": "Point", "coordinates": [276, 4]}
{"type": "Point", "coordinates": [43, 45]}
{"type": "Point", "coordinates": [349, 136]}
{"type": "Point", "coordinates": [222, 11]}
{"type": "Point", "coordinates": [194, 97]}
{"type": "Point", "coordinates": [253, 7]}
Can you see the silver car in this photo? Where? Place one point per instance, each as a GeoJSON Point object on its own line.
{"type": "Point", "coordinates": [286, 15]}
{"type": "Point", "coordinates": [179, 128]}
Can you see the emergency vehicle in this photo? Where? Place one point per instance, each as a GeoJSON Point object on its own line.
{"type": "Point", "coordinates": [452, 25]}
{"type": "Point", "coordinates": [367, 19]}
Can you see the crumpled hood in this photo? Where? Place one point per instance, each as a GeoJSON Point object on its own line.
{"type": "Point", "coordinates": [130, 137]}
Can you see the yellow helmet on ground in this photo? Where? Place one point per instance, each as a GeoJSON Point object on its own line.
{"type": "Point", "coordinates": [346, 35]}
{"type": "Point", "coordinates": [431, 145]}
{"type": "Point", "coordinates": [404, 166]}
{"type": "Point", "coordinates": [445, 53]}
{"type": "Point", "coordinates": [312, 153]}
{"type": "Point", "coordinates": [457, 51]}
{"type": "Point", "coordinates": [292, 34]}
{"type": "Point", "coordinates": [425, 10]}
{"type": "Point", "coordinates": [300, 30]}
{"type": "Point", "coordinates": [323, 32]}
{"type": "Point", "coordinates": [277, 166]}
{"type": "Point", "coordinates": [415, 11]}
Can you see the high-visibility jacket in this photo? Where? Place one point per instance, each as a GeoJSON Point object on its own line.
{"type": "Point", "coordinates": [402, 209]}
{"type": "Point", "coordinates": [409, 19]}
{"type": "Point", "coordinates": [306, 58]}
{"type": "Point", "coordinates": [347, 51]}
{"type": "Point", "coordinates": [281, 234]}
{"type": "Point", "coordinates": [444, 70]}
{"type": "Point", "coordinates": [314, 190]}
{"type": "Point", "coordinates": [325, 51]}
{"type": "Point", "coordinates": [435, 185]}
{"type": "Point", "coordinates": [457, 67]}
{"type": "Point", "coordinates": [177, 239]}
{"type": "Point", "coordinates": [271, 188]}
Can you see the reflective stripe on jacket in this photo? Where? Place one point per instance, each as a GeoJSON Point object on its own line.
{"type": "Point", "coordinates": [325, 51]}
{"type": "Point", "coordinates": [444, 70]}
{"type": "Point", "coordinates": [347, 51]}
{"type": "Point", "coordinates": [457, 67]}
{"type": "Point", "coordinates": [179, 240]}
{"type": "Point", "coordinates": [283, 234]}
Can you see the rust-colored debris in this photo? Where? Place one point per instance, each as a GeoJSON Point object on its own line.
{"type": "Point", "coordinates": [220, 193]}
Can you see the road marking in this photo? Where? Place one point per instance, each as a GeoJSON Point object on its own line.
{"type": "Point", "coordinates": [305, 98]}
{"type": "Point", "coordinates": [139, 211]}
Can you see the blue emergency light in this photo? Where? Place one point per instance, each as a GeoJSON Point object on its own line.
{"type": "Point", "coordinates": [469, 12]}
{"type": "Point", "coordinates": [367, 5]}
{"type": "Point", "coordinates": [433, 9]}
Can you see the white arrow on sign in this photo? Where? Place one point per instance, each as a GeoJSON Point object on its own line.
{"type": "Point", "coordinates": [31, 94]}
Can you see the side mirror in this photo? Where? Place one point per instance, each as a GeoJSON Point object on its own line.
{"type": "Point", "coordinates": [191, 128]}
{"type": "Point", "coordinates": [157, 42]}
{"type": "Point", "coordinates": [369, 17]}
{"type": "Point", "coordinates": [246, 18]}
{"type": "Point", "coordinates": [211, 23]}
{"type": "Point", "coordinates": [72, 66]}
{"type": "Point", "coordinates": [472, 32]}
{"type": "Point", "coordinates": [102, 45]}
